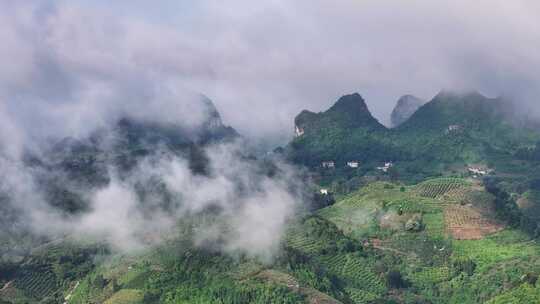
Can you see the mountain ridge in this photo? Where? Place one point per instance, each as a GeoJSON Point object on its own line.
{"type": "Point", "coordinates": [451, 127]}
{"type": "Point", "coordinates": [404, 109]}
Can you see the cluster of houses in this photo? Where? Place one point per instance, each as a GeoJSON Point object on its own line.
{"type": "Point", "coordinates": [332, 164]}
{"type": "Point", "coordinates": [386, 166]}
{"type": "Point", "coordinates": [328, 164]}
{"type": "Point", "coordinates": [476, 171]}
{"type": "Point", "coordinates": [354, 164]}
{"type": "Point", "coordinates": [453, 128]}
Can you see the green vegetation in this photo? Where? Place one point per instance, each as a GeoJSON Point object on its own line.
{"type": "Point", "coordinates": [358, 250]}
{"type": "Point", "coordinates": [126, 296]}
{"type": "Point", "coordinates": [503, 246]}
{"type": "Point", "coordinates": [435, 188]}
{"type": "Point", "coordinates": [422, 231]}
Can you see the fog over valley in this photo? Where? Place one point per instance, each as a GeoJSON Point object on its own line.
{"type": "Point", "coordinates": [273, 151]}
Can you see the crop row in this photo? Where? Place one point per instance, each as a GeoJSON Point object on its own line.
{"type": "Point", "coordinates": [418, 206]}
{"type": "Point", "coordinates": [359, 296]}
{"type": "Point", "coordinates": [487, 251]}
{"type": "Point", "coordinates": [300, 241]}
{"type": "Point", "coordinates": [36, 283]}
{"type": "Point", "coordinates": [355, 271]}
{"type": "Point", "coordinates": [458, 195]}
{"type": "Point", "coordinates": [439, 188]}
{"type": "Point", "coordinates": [431, 275]}
{"type": "Point", "coordinates": [434, 224]}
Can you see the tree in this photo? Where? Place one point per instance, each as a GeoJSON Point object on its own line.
{"type": "Point", "coordinates": [414, 224]}
{"type": "Point", "coordinates": [395, 279]}
{"type": "Point", "coordinates": [466, 266]}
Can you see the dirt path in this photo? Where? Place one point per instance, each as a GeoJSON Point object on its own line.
{"type": "Point", "coordinates": [71, 292]}
{"type": "Point", "coordinates": [412, 255]}
{"type": "Point", "coordinates": [6, 286]}
{"type": "Point", "coordinates": [378, 244]}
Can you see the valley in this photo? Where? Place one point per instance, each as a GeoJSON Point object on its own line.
{"type": "Point", "coordinates": [426, 229]}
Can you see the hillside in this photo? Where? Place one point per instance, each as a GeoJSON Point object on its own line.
{"type": "Point", "coordinates": [426, 228]}
{"type": "Point", "coordinates": [444, 238]}
{"type": "Point", "coordinates": [452, 129]}
{"type": "Point", "coordinates": [435, 242]}
{"type": "Point", "coordinates": [346, 131]}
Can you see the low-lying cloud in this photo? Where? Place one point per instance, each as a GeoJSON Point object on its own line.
{"type": "Point", "coordinates": [235, 208]}
{"type": "Point", "coordinates": [71, 67]}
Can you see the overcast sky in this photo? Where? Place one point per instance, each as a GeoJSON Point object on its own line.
{"type": "Point", "coordinates": [69, 66]}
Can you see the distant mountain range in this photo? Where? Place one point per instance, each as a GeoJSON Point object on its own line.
{"type": "Point", "coordinates": [401, 213]}
{"type": "Point", "coordinates": [451, 128]}
{"type": "Point", "coordinates": [405, 108]}
{"type": "Point", "coordinates": [70, 164]}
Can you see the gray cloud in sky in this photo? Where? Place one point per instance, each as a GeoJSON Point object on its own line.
{"type": "Point", "coordinates": [69, 66]}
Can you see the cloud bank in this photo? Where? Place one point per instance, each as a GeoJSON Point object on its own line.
{"type": "Point", "coordinates": [69, 65]}
{"type": "Point", "coordinates": [235, 208]}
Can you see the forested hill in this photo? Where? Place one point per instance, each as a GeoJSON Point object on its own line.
{"type": "Point", "coordinates": [69, 169]}
{"type": "Point", "coordinates": [345, 131]}
{"type": "Point", "coordinates": [450, 128]}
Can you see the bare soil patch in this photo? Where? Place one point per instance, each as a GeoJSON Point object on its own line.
{"type": "Point", "coordinates": [469, 223]}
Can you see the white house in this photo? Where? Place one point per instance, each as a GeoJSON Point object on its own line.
{"type": "Point", "coordinates": [298, 131]}
{"type": "Point", "coordinates": [324, 191]}
{"type": "Point", "coordinates": [386, 166]}
{"type": "Point", "coordinates": [352, 164]}
{"type": "Point", "coordinates": [453, 128]}
{"type": "Point", "coordinates": [478, 171]}
{"type": "Point", "coordinates": [328, 164]}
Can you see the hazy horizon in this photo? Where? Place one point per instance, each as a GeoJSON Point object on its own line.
{"type": "Point", "coordinates": [70, 66]}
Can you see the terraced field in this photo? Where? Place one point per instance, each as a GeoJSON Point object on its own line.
{"type": "Point", "coordinates": [417, 205]}
{"type": "Point", "coordinates": [284, 279]}
{"type": "Point", "coordinates": [504, 245]}
{"type": "Point", "coordinates": [436, 188]}
{"type": "Point", "coordinates": [434, 224]}
{"type": "Point", "coordinates": [525, 293]}
{"type": "Point", "coordinates": [36, 283]}
{"type": "Point", "coordinates": [126, 296]}
{"type": "Point", "coordinates": [357, 273]}
{"type": "Point", "coordinates": [468, 223]}
{"type": "Point", "coordinates": [360, 296]}
{"type": "Point", "coordinates": [430, 275]}
{"type": "Point", "coordinates": [298, 239]}
{"type": "Point", "coordinates": [334, 263]}
{"type": "Point", "coordinates": [457, 195]}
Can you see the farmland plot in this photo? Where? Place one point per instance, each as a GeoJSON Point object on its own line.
{"type": "Point", "coordinates": [468, 223]}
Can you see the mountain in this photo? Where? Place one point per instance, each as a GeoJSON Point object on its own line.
{"type": "Point", "coordinates": [451, 130]}
{"type": "Point", "coordinates": [71, 164]}
{"type": "Point", "coordinates": [466, 127]}
{"type": "Point", "coordinates": [346, 131]}
{"type": "Point", "coordinates": [384, 237]}
{"type": "Point", "coordinates": [350, 111]}
{"type": "Point", "coordinates": [405, 108]}
{"type": "Point", "coordinates": [467, 110]}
